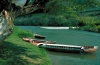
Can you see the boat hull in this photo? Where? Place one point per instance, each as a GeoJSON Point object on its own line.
{"type": "Point", "coordinates": [68, 48]}
{"type": "Point", "coordinates": [39, 36]}
{"type": "Point", "coordinates": [62, 50]}
{"type": "Point", "coordinates": [44, 41]}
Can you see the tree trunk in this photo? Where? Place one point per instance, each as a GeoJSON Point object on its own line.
{"type": "Point", "coordinates": [5, 25]}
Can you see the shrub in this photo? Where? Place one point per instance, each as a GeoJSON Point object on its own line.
{"type": "Point", "coordinates": [98, 28]}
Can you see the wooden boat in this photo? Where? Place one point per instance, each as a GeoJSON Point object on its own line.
{"type": "Point", "coordinates": [39, 41]}
{"type": "Point", "coordinates": [68, 48]}
{"type": "Point", "coordinates": [39, 36]}
{"type": "Point", "coordinates": [44, 41]}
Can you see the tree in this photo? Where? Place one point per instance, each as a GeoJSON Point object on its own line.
{"type": "Point", "coordinates": [9, 10]}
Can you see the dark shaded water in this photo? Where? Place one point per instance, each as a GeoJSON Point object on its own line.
{"type": "Point", "coordinates": [71, 37]}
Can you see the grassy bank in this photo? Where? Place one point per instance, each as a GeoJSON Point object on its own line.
{"type": "Point", "coordinates": [15, 51]}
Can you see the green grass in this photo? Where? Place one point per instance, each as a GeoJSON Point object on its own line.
{"type": "Point", "coordinates": [15, 51]}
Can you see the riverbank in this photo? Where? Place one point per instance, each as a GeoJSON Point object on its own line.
{"type": "Point", "coordinates": [85, 23]}
{"type": "Point", "coordinates": [15, 51]}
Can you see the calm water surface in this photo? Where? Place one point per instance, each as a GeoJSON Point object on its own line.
{"type": "Point", "coordinates": [71, 37]}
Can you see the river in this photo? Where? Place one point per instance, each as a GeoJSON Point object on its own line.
{"type": "Point", "coordinates": [71, 37]}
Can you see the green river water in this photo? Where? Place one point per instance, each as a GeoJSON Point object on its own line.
{"type": "Point", "coordinates": [70, 37]}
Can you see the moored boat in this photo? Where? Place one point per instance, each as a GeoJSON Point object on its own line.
{"type": "Point", "coordinates": [39, 36]}
{"type": "Point", "coordinates": [44, 41]}
{"type": "Point", "coordinates": [68, 48]}
{"type": "Point", "coordinates": [38, 41]}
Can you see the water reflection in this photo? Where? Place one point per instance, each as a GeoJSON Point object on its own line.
{"type": "Point", "coordinates": [75, 55]}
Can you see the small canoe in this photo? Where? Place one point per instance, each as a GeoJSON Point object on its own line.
{"type": "Point", "coordinates": [39, 36]}
{"type": "Point", "coordinates": [68, 48]}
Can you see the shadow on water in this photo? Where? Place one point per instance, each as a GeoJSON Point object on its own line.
{"type": "Point", "coordinates": [10, 54]}
{"type": "Point", "coordinates": [75, 55]}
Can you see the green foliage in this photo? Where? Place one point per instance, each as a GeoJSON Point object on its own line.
{"type": "Point", "coordinates": [46, 20]}
{"type": "Point", "coordinates": [70, 6]}
{"type": "Point", "coordinates": [65, 13]}
{"type": "Point", "coordinates": [98, 28]}
{"type": "Point", "coordinates": [89, 28]}
{"type": "Point", "coordinates": [59, 7]}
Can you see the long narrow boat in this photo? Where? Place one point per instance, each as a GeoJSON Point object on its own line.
{"type": "Point", "coordinates": [68, 48]}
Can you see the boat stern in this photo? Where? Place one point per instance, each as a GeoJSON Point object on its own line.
{"type": "Point", "coordinates": [93, 49]}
